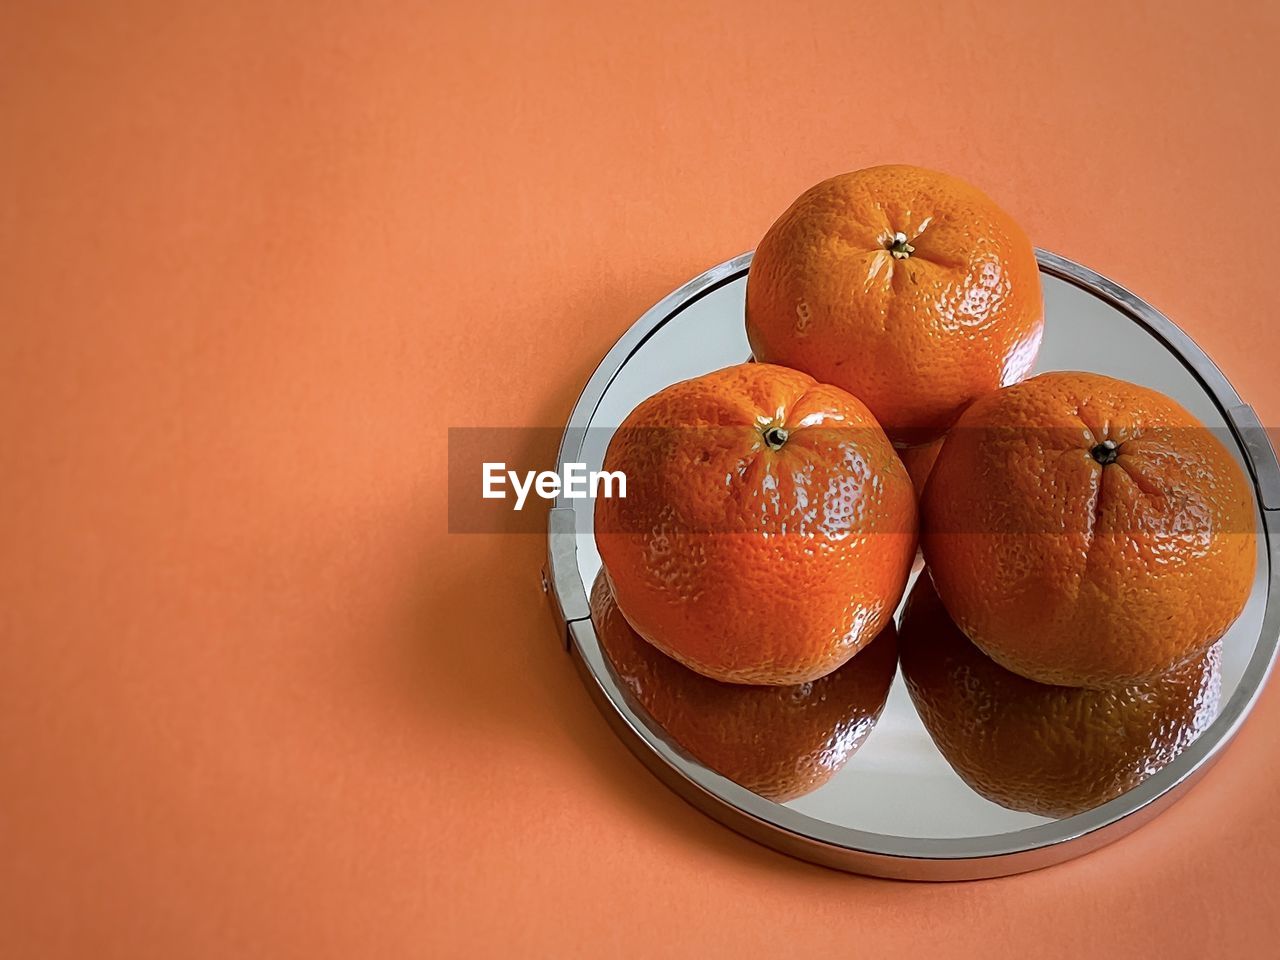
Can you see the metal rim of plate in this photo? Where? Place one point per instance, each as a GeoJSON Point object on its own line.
{"type": "Point", "coordinates": [913, 858]}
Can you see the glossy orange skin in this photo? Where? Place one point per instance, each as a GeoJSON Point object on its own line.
{"type": "Point", "coordinates": [919, 460]}
{"type": "Point", "coordinates": [915, 339]}
{"type": "Point", "coordinates": [745, 563]}
{"type": "Point", "coordinates": [778, 742]}
{"type": "Point", "coordinates": [1068, 571]}
{"type": "Point", "coordinates": [1048, 750]}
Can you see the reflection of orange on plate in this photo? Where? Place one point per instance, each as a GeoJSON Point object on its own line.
{"type": "Point", "coordinates": [780, 742]}
{"type": "Point", "coordinates": [1048, 750]}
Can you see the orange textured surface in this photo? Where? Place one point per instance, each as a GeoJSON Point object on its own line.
{"type": "Point", "coordinates": [779, 742]}
{"type": "Point", "coordinates": [255, 701]}
{"type": "Point", "coordinates": [908, 287]}
{"type": "Point", "coordinates": [1066, 570]}
{"type": "Point", "coordinates": [1049, 750]}
{"type": "Point", "coordinates": [723, 522]}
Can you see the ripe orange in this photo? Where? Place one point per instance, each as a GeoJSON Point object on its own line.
{"type": "Point", "coordinates": [1043, 749]}
{"type": "Point", "coordinates": [779, 742]}
{"type": "Point", "coordinates": [919, 461]}
{"type": "Point", "coordinates": [908, 288]}
{"type": "Point", "coordinates": [768, 526]}
{"type": "Point", "coordinates": [1087, 531]}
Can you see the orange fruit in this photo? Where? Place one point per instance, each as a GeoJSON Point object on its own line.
{"type": "Point", "coordinates": [768, 526]}
{"type": "Point", "coordinates": [909, 288]}
{"type": "Point", "coordinates": [1043, 749]}
{"type": "Point", "coordinates": [778, 742]}
{"type": "Point", "coordinates": [919, 460]}
{"type": "Point", "coordinates": [919, 463]}
{"type": "Point", "coordinates": [1087, 531]}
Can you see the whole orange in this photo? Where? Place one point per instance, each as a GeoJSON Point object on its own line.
{"type": "Point", "coordinates": [1087, 531]}
{"type": "Point", "coordinates": [1043, 749]}
{"type": "Point", "coordinates": [909, 288]}
{"type": "Point", "coordinates": [779, 742]}
{"type": "Point", "coordinates": [768, 526]}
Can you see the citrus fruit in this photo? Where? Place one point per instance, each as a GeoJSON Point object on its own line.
{"type": "Point", "coordinates": [919, 462]}
{"type": "Point", "coordinates": [768, 526]}
{"type": "Point", "coordinates": [909, 288]}
{"type": "Point", "coordinates": [1086, 531]}
{"type": "Point", "coordinates": [778, 742]}
{"type": "Point", "coordinates": [1048, 750]}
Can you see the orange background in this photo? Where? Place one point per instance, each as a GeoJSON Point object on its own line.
{"type": "Point", "coordinates": [257, 257]}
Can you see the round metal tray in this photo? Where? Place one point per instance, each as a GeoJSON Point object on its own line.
{"type": "Point", "coordinates": [897, 809]}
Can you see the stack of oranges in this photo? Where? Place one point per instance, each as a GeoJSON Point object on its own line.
{"type": "Point", "coordinates": [1085, 539]}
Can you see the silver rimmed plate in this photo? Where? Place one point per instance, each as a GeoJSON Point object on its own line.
{"type": "Point", "coordinates": [896, 808]}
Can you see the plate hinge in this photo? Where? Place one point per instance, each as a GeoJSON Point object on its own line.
{"type": "Point", "coordinates": [561, 580]}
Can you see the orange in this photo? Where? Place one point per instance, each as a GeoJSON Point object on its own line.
{"type": "Point", "coordinates": [1043, 749]}
{"type": "Point", "coordinates": [1087, 531]}
{"type": "Point", "coordinates": [919, 462]}
{"type": "Point", "coordinates": [779, 742]}
{"type": "Point", "coordinates": [909, 288]}
{"type": "Point", "coordinates": [768, 527]}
